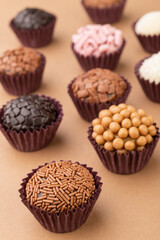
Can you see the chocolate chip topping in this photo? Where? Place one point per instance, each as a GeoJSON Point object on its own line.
{"type": "Point", "coordinates": [28, 113]}
{"type": "Point", "coordinates": [19, 61]}
{"type": "Point", "coordinates": [99, 85]}
{"type": "Point", "coordinates": [32, 18]}
{"type": "Point", "coordinates": [60, 186]}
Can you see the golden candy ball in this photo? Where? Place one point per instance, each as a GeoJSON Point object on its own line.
{"type": "Point", "coordinates": [149, 138]}
{"type": "Point", "coordinates": [109, 146]}
{"type": "Point", "coordinates": [123, 133]}
{"type": "Point", "coordinates": [108, 136]}
{"type": "Point", "coordinates": [134, 115]}
{"type": "Point", "coordinates": [94, 135]}
{"type": "Point", "coordinates": [114, 127]}
{"type": "Point", "coordinates": [99, 129]}
{"type": "Point", "coordinates": [104, 113]}
{"type": "Point", "coordinates": [114, 109]}
{"type": "Point", "coordinates": [143, 129]}
{"type": "Point", "coordinates": [125, 113]}
{"type": "Point", "coordinates": [141, 141]}
{"type": "Point", "coordinates": [117, 118]}
{"type": "Point", "coordinates": [141, 112]}
{"type": "Point", "coordinates": [118, 143]}
{"type": "Point", "coordinates": [106, 121]}
{"type": "Point", "coordinates": [152, 130]}
{"type": "Point", "coordinates": [151, 119]}
{"type": "Point", "coordinates": [146, 121]}
{"type": "Point", "coordinates": [100, 140]}
{"type": "Point", "coordinates": [122, 106]}
{"type": "Point", "coordinates": [131, 108]}
{"type": "Point", "coordinates": [133, 132]}
{"type": "Point", "coordinates": [129, 145]}
{"type": "Point", "coordinates": [136, 122]}
{"type": "Point", "coordinates": [96, 122]}
{"type": "Point", "coordinates": [126, 123]}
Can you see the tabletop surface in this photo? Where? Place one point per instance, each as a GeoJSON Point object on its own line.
{"type": "Point", "coordinates": [129, 206]}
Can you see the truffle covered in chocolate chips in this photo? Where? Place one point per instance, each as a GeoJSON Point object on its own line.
{"type": "Point", "coordinates": [99, 86]}
{"type": "Point", "coordinates": [32, 18]}
{"type": "Point", "coordinates": [28, 113]}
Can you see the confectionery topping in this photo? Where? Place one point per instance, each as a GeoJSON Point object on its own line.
{"type": "Point", "coordinates": [60, 186]}
{"type": "Point", "coordinates": [32, 18]}
{"type": "Point", "coordinates": [150, 69]}
{"type": "Point", "coordinates": [28, 113]}
{"type": "Point", "coordinates": [149, 24]}
{"type": "Point", "coordinates": [123, 128]}
{"type": "Point", "coordinates": [99, 85]}
{"type": "Point", "coordinates": [19, 61]}
{"type": "Point", "coordinates": [97, 40]}
{"type": "Point", "coordinates": [101, 3]}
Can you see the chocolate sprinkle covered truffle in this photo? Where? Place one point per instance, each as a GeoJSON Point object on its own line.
{"type": "Point", "coordinates": [60, 186]}
{"type": "Point", "coordinates": [32, 18]}
{"type": "Point", "coordinates": [28, 113]}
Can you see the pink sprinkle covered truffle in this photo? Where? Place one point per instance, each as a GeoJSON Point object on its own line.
{"type": "Point", "coordinates": [97, 39]}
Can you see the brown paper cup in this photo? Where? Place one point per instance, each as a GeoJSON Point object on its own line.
{"type": "Point", "coordinates": [107, 14]}
{"type": "Point", "coordinates": [108, 61]}
{"type": "Point", "coordinates": [23, 84]}
{"type": "Point", "coordinates": [35, 38]}
{"type": "Point", "coordinates": [152, 90]}
{"type": "Point", "coordinates": [150, 43]}
{"type": "Point", "coordinates": [88, 111]}
{"type": "Point", "coordinates": [33, 140]}
{"type": "Point", "coordinates": [129, 163]}
{"type": "Point", "coordinates": [62, 222]}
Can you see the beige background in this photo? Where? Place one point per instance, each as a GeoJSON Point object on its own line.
{"type": "Point", "coordinates": [129, 206]}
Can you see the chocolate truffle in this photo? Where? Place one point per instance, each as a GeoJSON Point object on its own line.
{"type": "Point", "coordinates": [19, 61]}
{"type": "Point", "coordinates": [101, 3]}
{"type": "Point", "coordinates": [60, 186]}
{"type": "Point", "coordinates": [99, 86]}
{"type": "Point", "coordinates": [122, 130]}
{"type": "Point", "coordinates": [32, 18]}
{"type": "Point", "coordinates": [28, 113]}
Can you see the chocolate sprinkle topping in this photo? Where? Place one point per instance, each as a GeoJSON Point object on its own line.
{"type": "Point", "coordinates": [60, 186]}
{"type": "Point", "coordinates": [32, 18]}
{"type": "Point", "coordinates": [28, 113]}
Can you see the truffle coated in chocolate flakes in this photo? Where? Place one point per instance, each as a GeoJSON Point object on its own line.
{"type": "Point", "coordinates": [32, 18]}
{"type": "Point", "coordinates": [28, 113]}
{"type": "Point", "coordinates": [60, 186]}
{"type": "Point", "coordinates": [19, 61]}
{"type": "Point", "coordinates": [99, 85]}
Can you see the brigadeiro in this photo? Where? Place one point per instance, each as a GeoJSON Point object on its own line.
{"type": "Point", "coordinates": [104, 11]}
{"type": "Point", "coordinates": [61, 195]}
{"type": "Point", "coordinates": [34, 27]}
{"type": "Point", "coordinates": [98, 46]}
{"type": "Point", "coordinates": [97, 89]}
{"type": "Point", "coordinates": [124, 138]}
{"type": "Point", "coordinates": [30, 122]}
{"type": "Point", "coordinates": [21, 70]}
{"type": "Point", "coordinates": [147, 30]}
{"type": "Point", "coordinates": [147, 71]}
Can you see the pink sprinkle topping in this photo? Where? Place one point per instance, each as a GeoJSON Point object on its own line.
{"type": "Point", "coordinates": [97, 39]}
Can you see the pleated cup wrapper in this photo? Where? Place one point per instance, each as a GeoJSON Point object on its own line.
{"type": "Point", "coordinates": [107, 14]}
{"type": "Point", "coordinates": [35, 38]}
{"type": "Point", "coordinates": [152, 90]}
{"type": "Point", "coordinates": [23, 84]}
{"type": "Point", "coordinates": [108, 61]}
{"type": "Point", "coordinates": [62, 222]}
{"type": "Point", "coordinates": [123, 163]}
{"type": "Point", "coordinates": [149, 43]}
{"type": "Point", "coordinates": [88, 111]}
{"type": "Point", "coordinates": [29, 141]}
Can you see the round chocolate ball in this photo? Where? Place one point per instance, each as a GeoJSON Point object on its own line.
{"type": "Point", "coordinates": [28, 113]}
